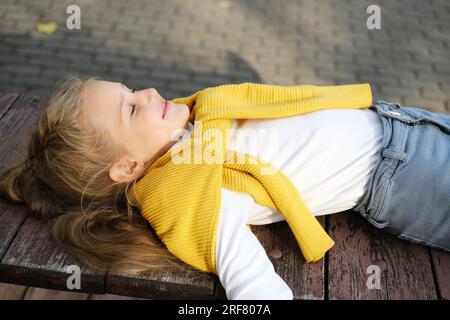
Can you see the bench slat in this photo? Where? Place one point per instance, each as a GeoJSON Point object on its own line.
{"type": "Point", "coordinates": [306, 280]}
{"type": "Point", "coordinates": [6, 101]}
{"type": "Point", "coordinates": [46, 294]}
{"type": "Point", "coordinates": [33, 259]}
{"type": "Point", "coordinates": [406, 271]}
{"type": "Point", "coordinates": [187, 283]}
{"type": "Point", "coordinates": [441, 262]}
{"type": "Point", "coordinates": [183, 282]}
{"type": "Point", "coordinates": [16, 114]}
{"type": "Point", "coordinates": [11, 291]}
{"type": "Point", "coordinates": [11, 218]}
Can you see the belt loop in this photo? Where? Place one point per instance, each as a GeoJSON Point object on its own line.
{"type": "Point", "coordinates": [389, 153]}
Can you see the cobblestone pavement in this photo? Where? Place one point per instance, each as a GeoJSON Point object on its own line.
{"type": "Point", "coordinates": [183, 46]}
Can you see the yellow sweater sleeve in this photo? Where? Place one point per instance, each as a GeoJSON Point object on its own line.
{"type": "Point", "coordinates": [259, 101]}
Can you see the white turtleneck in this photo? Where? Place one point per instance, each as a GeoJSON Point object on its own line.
{"type": "Point", "coordinates": [329, 155]}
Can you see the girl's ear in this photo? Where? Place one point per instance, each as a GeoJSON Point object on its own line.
{"type": "Point", "coordinates": [124, 170]}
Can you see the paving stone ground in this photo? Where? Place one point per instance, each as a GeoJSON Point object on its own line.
{"type": "Point", "coordinates": [180, 47]}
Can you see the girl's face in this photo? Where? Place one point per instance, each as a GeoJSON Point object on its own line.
{"type": "Point", "coordinates": [134, 120]}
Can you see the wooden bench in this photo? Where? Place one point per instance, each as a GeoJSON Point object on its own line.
{"type": "Point", "coordinates": [407, 271]}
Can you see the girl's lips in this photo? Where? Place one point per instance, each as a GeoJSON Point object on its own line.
{"type": "Point", "coordinates": [165, 108]}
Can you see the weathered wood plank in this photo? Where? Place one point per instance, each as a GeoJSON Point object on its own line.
{"type": "Point", "coordinates": [111, 297]}
{"type": "Point", "coordinates": [11, 291]}
{"type": "Point", "coordinates": [15, 128]}
{"type": "Point", "coordinates": [441, 262]}
{"type": "Point", "coordinates": [406, 271]}
{"type": "Point", "coordinates": [166, 283]}
{"type": "Point", "coordinates": [33, 259]}
{"type": "Point", "coordinates": [11, 218]}
{"type": "Point", "coordinates": [6, 101]}
{"type": "Point", "coordinates": [179, 282]}
{"type": "Point", "coordinates": [46, 294]}
{"type": "Point", "coordinates": [219, 291]}
{"type": "Point", "coordinates": [306, 280]}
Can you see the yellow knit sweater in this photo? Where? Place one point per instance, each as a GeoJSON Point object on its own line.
{"type": "Point", "coordinates": [181, 199]}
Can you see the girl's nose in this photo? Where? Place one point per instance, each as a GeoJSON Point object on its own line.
{"type": "Point", "coordinates": [154, 96]}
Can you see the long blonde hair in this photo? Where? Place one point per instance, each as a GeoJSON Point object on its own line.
{"type": "Point", "coordinates": [66, 166]}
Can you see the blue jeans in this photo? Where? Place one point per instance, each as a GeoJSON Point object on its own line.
{"type": "Point", "coordinates": [409, 191]}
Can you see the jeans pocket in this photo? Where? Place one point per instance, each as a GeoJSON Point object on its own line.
{"type": "Point", "coordinates": [378, 214]}
{"type": "Point", "coordinates": [375, 208]}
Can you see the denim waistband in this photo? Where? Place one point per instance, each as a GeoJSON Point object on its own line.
{"type": "Point", "coordinates": [395, 130]}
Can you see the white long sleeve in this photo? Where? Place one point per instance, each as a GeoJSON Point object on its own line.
{"type": "Point", "coordinates": [243, 267]}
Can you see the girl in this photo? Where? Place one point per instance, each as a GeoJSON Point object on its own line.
{"type": "Point", "coordinates": [97, 140]}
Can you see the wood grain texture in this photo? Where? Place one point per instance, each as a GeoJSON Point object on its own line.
{"type": "Point", "coordinates": [441, 262]}
{"type": "Point", "coordinates": [46, 294]}
{"type": "Point", "coordinates": [6, 101]}
{"type": "Point", "coordinates": [11, 218]}
{"type": "Point", "coordinates": [11, 291]}
{"type": "Point", "coordinates": [306, 280]}
{"type": "Point", "coordinates": [179, 282]}
{"type": "Point", "coordinates": [15, 126]}
{"type": "Point", "coordinates": [33, 259]}
{"type": "Point", "coordinates": [108, 296]}
{"type": "Point", "coordinates": [406, 271]}
{"type": "Point", "coordinates": [164, 283]}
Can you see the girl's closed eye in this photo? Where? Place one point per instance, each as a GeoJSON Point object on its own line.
{"type": "Point", "coordinates": [133, 106]}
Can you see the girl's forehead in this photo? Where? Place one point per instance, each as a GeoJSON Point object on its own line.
{"type": "Point", "coordinates": [99, 91]}
{"type": "Point", "coordinates": [100, 84]}
{"type": "Point", "coordinates": [98, 99]}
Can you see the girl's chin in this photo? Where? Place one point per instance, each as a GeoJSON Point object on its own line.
{"type": "Point", "coordinates": [176, 109]}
